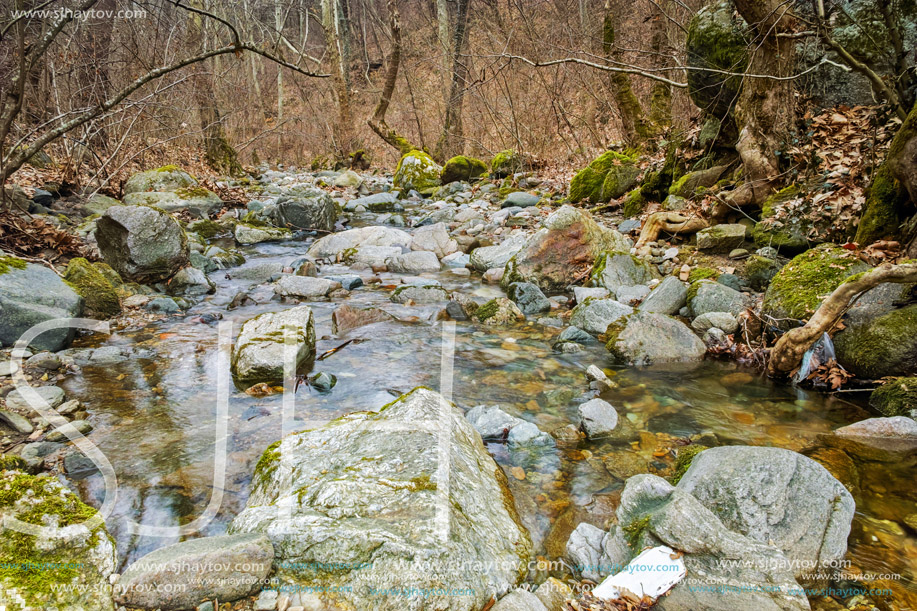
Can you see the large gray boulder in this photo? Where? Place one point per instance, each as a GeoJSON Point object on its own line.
{"type": "Point", "coordinates": [668, 297]}
{"type": "Point", "coordinates": [564, 247]}
{"type": "Point", "coordinates": [258, 354]}
{"type": "Point", "coordinates": [313, 209]}
{"type": "Point", "coordinates": [166, 178]}
{"type": "Point", "coordinates": [336, 244]}
{"type": "Point", "coordinates": [776, 497]}
{"type": "Point", "coordinates": [141, 243]}
{"type": "Point", "coordinates": [183, 575]}
{"type": "Point", "coordinates": [595, 315]}
{"type": "Point", "coordinates": [488, 257]}
{"type": "Point", "coordinates": [434, 238]}
{"type": "Point", "coordinates": [366, 493]}
{"type": "Point", "coordinates": [708, 296]}
{"type": "Point", "coordinates": [727, 571]}
{"type": "Point", "coordinates": [615, 270]}
{"type": "Point", "coordinates": [32, 294]}
{"type": "Point", "coordinates": [647, 338]}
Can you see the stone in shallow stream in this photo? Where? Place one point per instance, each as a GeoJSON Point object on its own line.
{"type": "Point", "coordinates": [366, 493]}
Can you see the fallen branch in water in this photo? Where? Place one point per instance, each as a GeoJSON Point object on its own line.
{"type": "Point", "coordinates": [792, 345]}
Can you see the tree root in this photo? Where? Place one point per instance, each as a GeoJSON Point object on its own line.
{"type": "Point", "coordinates": [792, 345]}
{"type": "Point", "coordinates": [672, 222]}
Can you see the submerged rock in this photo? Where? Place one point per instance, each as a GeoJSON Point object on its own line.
{"type": "Point", "coordinates": [32, 294]}
{"type": "Point", "coordinates": [563, 248]}
{"type": "Point", "coordinates": [141, 244]}
{"type": "Point", "coordinates": [346, 317]}
{"type": "Point", "coordinates": [258, 354]}
{"type": "Point", "coordinates": [597, 418]}
{"type": "Point", "coordinates": [366, 496]}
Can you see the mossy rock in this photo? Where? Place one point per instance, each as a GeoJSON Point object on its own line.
{"type": "Point", "coordinates": [10, 263]}
{"type": "Point", "coordinates": [656, 184]}
{"type": "Point", "coordinates": [759, 271]}
{"type": "Point", "coordinates": [99, 295]}
{"type": "Point", "coordinates": [609, 176]}
{"type": "Point", "coordinates": [885, 204]}
{"type": "Point", "coordinates": [885, 346]}
{"type": "Point", "coordinates": [696, 183]}
{"type": "Point", "coordinates": [789, 233]}
{"type": "Point", "coordinates": [505, 163]}
{"type": "Point", "coordinates": [799, 287]}
{"type": "Point", "coordinates": [462, 168]}
{"type": "Point", "coordinates": [634, 203]}
{"type": "Point", "coordinates": [166, 178]}
{"type": "Point", "coordinates": [897, 397]}
{"type": "Point", "coordinates": [684, 459]}
{"type": "Point", "coordinates": [716, 41]}
{"type": "Point", "coordinates": [416, 170]}
{"type": "Point", "coordinates": [75, 550]}
{"type": "Point", "coordinates": [702, 273]}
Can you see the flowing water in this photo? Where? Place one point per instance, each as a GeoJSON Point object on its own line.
{"type": "Point", "coordinates": [155, 417]}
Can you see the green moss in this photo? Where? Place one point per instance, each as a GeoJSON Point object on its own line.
{"type": "Point", "coordinates": [702, 273]}
{"type": "Point", "coordinates": [634, 531]}
{"type": "Point", "coordinates": [206, 228]}
{"type": "Point", "coordinates": [487, 310]}
{"type": "Point", "coordinates": [760, 270]}
{"type": "Point", "coordinates": [692, 290]}
{"type": "Point", "coordinates": [42, 501]}
{"type": "Point", "coordinates": [798, 288]}
{"type": "Point", "coordinates": [11, 462]}
{"type": "Point", "coordinates": [656, 184]}
{"type": "Point", "coordinates": [634, 203]}
{"type": "Point", "coordinates": [886, 346]}
{"type": "Point", "coordinates": [417, 170]}
{"type": "Point", "coordinates": [169, 168]}
{"type": "Point", "coordinates": [683, 460]}
{"type": "Point", "coordinates": [780, 197]}
{"type": "Point", "coordinates": [100, 296]}
{"type": "Point", "coordinates": [897, 397]}
{"type": "Point", "coordinates": [590, 182]}
{"type": "Point", "coordinates": [611, 336]}
{"type": "Point", "coordinates": [505, 163]}
{"type": "Point", "coordinates": [10, 263]}
{"type": "Point", "coordinates": [462, 168]}
{"type": "Point", "coordinates": [192, 192]}
{"type": "Point", "coordinates": [715, 41]}
{"type": "Point", "coordinates": [422, 482]}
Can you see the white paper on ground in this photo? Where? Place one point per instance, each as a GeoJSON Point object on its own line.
{"type": "Point", "coordinates": [653, 573]}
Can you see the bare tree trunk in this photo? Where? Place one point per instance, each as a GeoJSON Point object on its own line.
{"type": "Point", "coordinates": [635, 125]}
{"type": "Point", "coordinates": [93, 73]}
{"type": "Point", "coordinates": [451, 141]}
{"type": "Point", "coordinates": [661, 101]}
{"type": "Point", "coordinates": [443, 30]}
{"type": "Point", "coordinates": [765, 109]}
{"type": "Point", "coordinates": [377, 122]}
{"type": "Point", "coordinates": [335, 25]}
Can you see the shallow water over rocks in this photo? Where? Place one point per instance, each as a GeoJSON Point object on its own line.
{"type": "Point", "coordinates": [155, 414]}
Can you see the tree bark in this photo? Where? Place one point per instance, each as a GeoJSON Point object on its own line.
{"type": "Point", "coordinates": [377, 121]}
{"type": "Point", "coordinates": [893, 193]}
{"type": "Point", "coordinates": [765, 109]}
{"type": "Point", "coordinates": [451, 141]}
{"type": "Point", "coordinates": [93, 72]}
{"type": "Point", "coordinates": [336, 28]}
{"type": "Point", "coordinates": [634, 123]}
{"type": "Point", "coordinates": [792, 345]}
{"type": "Point", "coordinates": [661, 101]}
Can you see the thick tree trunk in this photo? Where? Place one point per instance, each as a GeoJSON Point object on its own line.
{"type": "Point", "coordinates": [634, 123]}
{"type": "Point", "coordinates": [765, 109]}
{"type": "Point", "coordinates": [336, 40]}
{"type": "Point", "coordinates": [377, 122]}
{"type": "Point", "coordinates": [893, 193]}
{"type": "Point", "coordinates": [792, 345]}
{"type": "Point", "coordinates": [452, 142]}
{"type": "Point", "coordinates": [661, 101]}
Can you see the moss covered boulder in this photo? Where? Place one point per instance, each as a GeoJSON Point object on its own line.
{"type": "Point", "coordinates": [883, 346]}
{"type": "Point", "coordinates": [197, 200]}
{"type": "Point", "coordinates": [561, 250]}
{"type": "Point", "coordinates": [462, 168]}
{"type": "Point", "coordinates": [634, 203]}
{"type": "Point", "coordinates": [647, 338]}
{"type": "Point", "coordinates": [760, 270]}
{"type": "Point", "coordinates": [897, 397]}
{"type": "Point", "coordinates": [419, 172]}
{"type": "Point", "coordinates": [32, 294]}
{"type": "Point", "coordinates": [505, 163]}
{"type": "Point", "coordinates": [166, 178]}
{"type": "Point", "coordinates": [694, 183]}
{"type": "Point", "coordinates": [259, 351]}
{"type": "Point", "coordinates": [609, 176]}
{"type": "Point", "coordinates": [94, 287]}
{"type": "Point", "coordinates": [64, 564]}
{"type": "Point", "coordinates": [801, 285]}
{"type": "Point", "coordinates": [370, 492]}
{"type": "Point", "coordinates": [716, 41]}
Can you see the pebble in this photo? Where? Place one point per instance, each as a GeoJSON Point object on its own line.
{"type": "Point", "coordinates": [81, 426]}
{"type": "Point", "coordinates": [8, 368]}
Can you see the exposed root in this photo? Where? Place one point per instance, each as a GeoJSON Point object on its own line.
{"type": "Point", "coordinates": [671, 222]}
